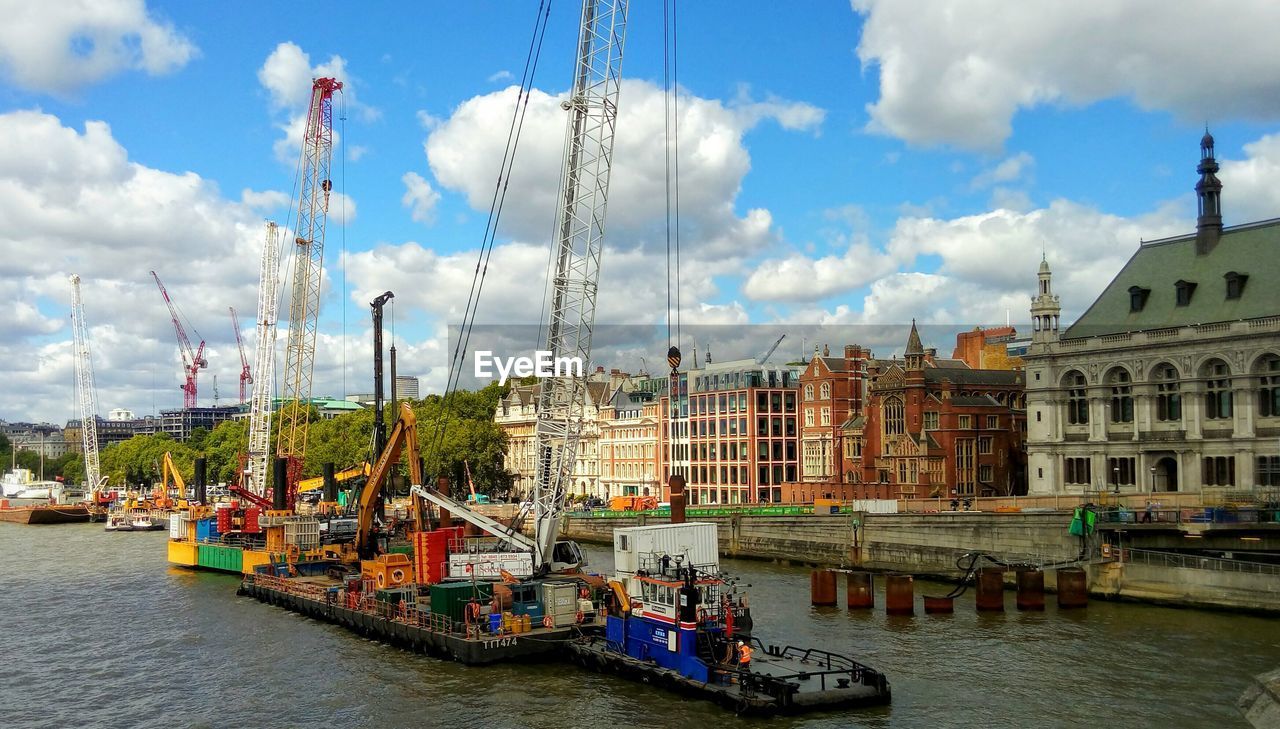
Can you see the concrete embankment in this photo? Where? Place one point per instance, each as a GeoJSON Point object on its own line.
{"type": "Point", "coordinates": [929, 545]}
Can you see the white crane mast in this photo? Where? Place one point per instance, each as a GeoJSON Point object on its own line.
{"type": "Point", "coordinates": [592, 107]}
{"type": "Point", "coordinates": [264, 360]}
{"type": "Point", "coordinates": [86, 397]}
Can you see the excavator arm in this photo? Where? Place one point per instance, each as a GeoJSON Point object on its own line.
{"type": "Point", "coordinates": [404, 437]}
{"type": "Point", "coordinates": [311, 484]}
{"type": "Point", "coordinates": [170, 470]}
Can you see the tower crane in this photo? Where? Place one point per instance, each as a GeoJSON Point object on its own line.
{"type": "Point", "coordinates": [308, 263]}
{"type": "Point", "coordinates": [192, 358]}
{"type": "Point", "coordinates": [246, 375]}
{"type": "Point", "coordinates": [86, 396]}
{"type": "Point", "coordinates": [592, 107]}
{"type": "Point", "coordinates": [264, 364]}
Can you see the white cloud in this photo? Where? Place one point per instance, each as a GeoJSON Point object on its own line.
{"type": "Point", "coordinates": [1251, 187]}
{"type": "Point", "coordinates": [950, 75]}
{"type": "Point", "coordinates": [420, 198]}
{"type": "Point", "coordinates": [61, 47]}
{"type": "Point", "coordinates": [801, 278]}
{"type": "Point", "coordinates": [503, 75]}
{"type": "Point", "coordinates": [1010, 169]}
{"type": "Point", "coordinates": [465, 150]}
{"type": "Point", "coordinates": [356, 151]}
{"type": "Point", "coordinates": [287, 76]}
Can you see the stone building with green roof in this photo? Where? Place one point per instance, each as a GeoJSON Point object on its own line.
{"type": "Point", "coordinates": [1170, 380]}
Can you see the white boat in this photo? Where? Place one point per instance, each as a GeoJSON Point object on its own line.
{"type": "Point", "coordinates": [134, 520]}
{"type": "Point", "coordinates": [21, 488]}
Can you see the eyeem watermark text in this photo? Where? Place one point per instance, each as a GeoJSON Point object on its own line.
{"type": "Point", "coordinates": [541, 364]}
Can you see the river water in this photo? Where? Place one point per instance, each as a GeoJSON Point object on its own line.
{"type": "Point", "coordinates": [100, 631]}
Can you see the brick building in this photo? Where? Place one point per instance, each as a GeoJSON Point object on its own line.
{"type": "Point", "coordinates": [937, 428]}
{"type": "Point", "coordinates": [989, 349]}
{"type": "Point", "coordinates": [832, 394]}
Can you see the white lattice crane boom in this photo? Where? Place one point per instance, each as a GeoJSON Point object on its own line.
{"type": "Point", "coordinates": [308, 263]}
{"type": "Point", "coordinates": [264, 363]}
{"type": "Point", "coordinates": [592, 107]}
{"type": "Point", "coordinates": [86, 395]}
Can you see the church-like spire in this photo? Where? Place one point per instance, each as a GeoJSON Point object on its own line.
{"type": "Point", "coordinates": [915, 349]}
{"type": "Point", "coordinates": [1209, 192]}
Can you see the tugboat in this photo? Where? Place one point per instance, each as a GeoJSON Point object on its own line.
{"type": "Point", "coordinates": [675, 620]}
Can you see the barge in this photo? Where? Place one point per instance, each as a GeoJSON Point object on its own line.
{"type": "Point", "coordinates": [668, 618]}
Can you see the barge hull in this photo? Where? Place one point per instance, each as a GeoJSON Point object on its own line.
{"type": "Point", "coordinates": [596, 655]}
{"type": "Point", "coordinates": [545, 643]}
{"type": "Point", "coordinates": [45, 515]}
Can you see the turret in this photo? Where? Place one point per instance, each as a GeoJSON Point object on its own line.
{"type": "Point", "coordinates": [1209, 194]}
{"type": "Point", "coordinates": [1045, 308]}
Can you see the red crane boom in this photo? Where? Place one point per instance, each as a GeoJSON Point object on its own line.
{"type": "Point", "coordinates": [192, 360]}
{"type": "Point", "coordinates": [246, 376]}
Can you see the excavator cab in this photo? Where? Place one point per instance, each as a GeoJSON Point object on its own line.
{"type": "Point", "coordinates": [566, 556]}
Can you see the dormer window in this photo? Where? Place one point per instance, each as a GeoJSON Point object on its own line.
{"type": "Point", "coordinates": [1137, 297]}
{"type": "Point", "coordinates": [1235, 284]}
{"type": "Point", "coordinates": [1184, 290]}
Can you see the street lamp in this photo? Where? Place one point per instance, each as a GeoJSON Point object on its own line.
{"type": "Point", "coordinates": [1115, 474]}
{"type": "Point", "coordinates": [1153, 479]}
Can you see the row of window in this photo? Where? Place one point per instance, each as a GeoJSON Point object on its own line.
{"type": "Point", "coordinates": [1214, 471]}
{"type": "Point", "coordinates": [1219, 398]}
{"type": "Point", "coordinates": [1184, 290]}
{"type": "Point", "coordinates": [824, 392]}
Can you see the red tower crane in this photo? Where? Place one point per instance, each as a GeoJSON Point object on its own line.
{"type": "Point", "coordinates": [246, 377]}
{"type": "Point", "coordinates": [192, 359]}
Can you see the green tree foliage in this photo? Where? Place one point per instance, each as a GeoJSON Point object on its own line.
{"type": "Point", "coordinates": [137, 461]}
{"type": "Point", "coordinates": [470, 436]}
{"type": "Point", "coordinates": [223, 448]}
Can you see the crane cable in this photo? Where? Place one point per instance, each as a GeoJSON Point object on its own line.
{"type": "Point", "coordinates": [671, 132]}
{"type": "Point", "coordinates": [514, 132]}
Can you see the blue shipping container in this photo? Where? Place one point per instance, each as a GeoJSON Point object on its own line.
{"type": "Point", "coordinates": [207, 530]}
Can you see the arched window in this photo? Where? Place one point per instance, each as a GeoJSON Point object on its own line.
{"type": "Point", "coordinates": [808, 392]}
{"type": "Point", "coordinates": [1168, 394]}
{"type": "Point", "coordinates": [1077, 399]}
{"type": "Point", "coordinates": [825, 391]}
{"type": "Point", "coordinates": [895, 421]}
{"type": "Point", "coordinates": [1121, 396]}
{"type": "Point", "coordinates": [1217, 390]}
{"type": "Point", "coordinates": [1269, 386]}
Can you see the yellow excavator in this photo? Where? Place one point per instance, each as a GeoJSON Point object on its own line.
{"type": "Point", "coordinates": [402, 439]}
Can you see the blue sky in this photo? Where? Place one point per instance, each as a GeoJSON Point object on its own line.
{"type": "Point", "coordinates": [842, 164]}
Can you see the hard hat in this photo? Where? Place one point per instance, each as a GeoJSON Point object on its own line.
{"type": "Point", "coordinates": [741, 643]}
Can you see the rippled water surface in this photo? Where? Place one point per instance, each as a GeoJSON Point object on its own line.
{"type": "Point", "coordinates": [100, 631]}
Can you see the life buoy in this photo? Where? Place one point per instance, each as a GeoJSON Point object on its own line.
{"type": "Point", "coordinates": [579, 617]}
{"type": "Point", "coordinates": [584, 593]}
{"type": "Point", "coordinates": [397, 575]}
{"type": "Point", "coordinates": [382, 579]}
{"type": "Point", "coordinates": [546, 621]}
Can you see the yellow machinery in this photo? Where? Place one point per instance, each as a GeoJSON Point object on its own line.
{"type": "Point", "coordinates": [311, 484]}
{"type": "Point", "coordinates": [388, 570]}
{"type": "Point", "coordinates": [403, 438]}
{"type": "Point", "coordinates": [169, 470]}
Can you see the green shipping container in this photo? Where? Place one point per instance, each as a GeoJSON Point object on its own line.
{"type": "Point", "coordinates": [451, 598]}
{"type": "Point", "coordinates": [402, 549]}
{"type": "Point", "coordinates": [217, 557]}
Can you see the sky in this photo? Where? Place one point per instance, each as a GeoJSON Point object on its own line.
{"type": "Point", "coordinates": [843, 166]}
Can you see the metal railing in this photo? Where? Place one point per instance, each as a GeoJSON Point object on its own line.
{"type": "Point", "coordinates": [1191, 561]}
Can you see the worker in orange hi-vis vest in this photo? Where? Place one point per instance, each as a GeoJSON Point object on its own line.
{"type": "Point", "coordinates": [744, 656]}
